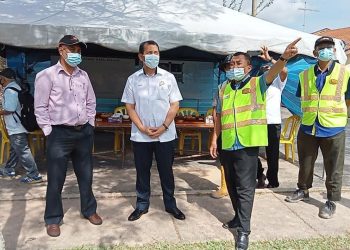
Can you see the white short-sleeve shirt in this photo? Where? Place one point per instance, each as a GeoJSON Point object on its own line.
{"type": "Point", "coordinates": [273, 101]}
{"type": "Point", "coordinates": [152, 96]}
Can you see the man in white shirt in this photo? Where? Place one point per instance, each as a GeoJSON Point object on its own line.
{"type": "Point", "coordinates": [273, 115]}
{"type": "Point", "coordinates": [151, 97]}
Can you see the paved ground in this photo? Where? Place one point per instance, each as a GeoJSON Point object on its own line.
{"type": "Point", "coordinates": [22, 207]}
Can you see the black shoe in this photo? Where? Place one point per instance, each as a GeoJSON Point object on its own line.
{"type": "Point", "coordinates": [298, 195]}
{"type": "Point", "coordinates": [176, 213]}
{"type": "Point", "coordinates": [137, 214]}
{"type": "Point", "coordinates": [242, 241]}
{"type": "Point", "coordinates": [328, 210]}
{"type": "Point", "coordinates": [272, 186]}
{"type": "Point", "coordinates": [230, 224]}
{"type": "Point", "coordinates": [261, 181]}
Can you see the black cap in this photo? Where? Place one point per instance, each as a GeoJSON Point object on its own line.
{"type": "Point", "coordinates": [71, 40]}
{"type": "Point", "coordinates": [8, 73]}
{"type": "Point", "coordinates": [324, 39]}
{"type": "Point", "coordinates": [227, 60]}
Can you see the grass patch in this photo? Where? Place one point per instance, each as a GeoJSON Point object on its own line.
{"type": "Point", "coordinates": [324, 243]}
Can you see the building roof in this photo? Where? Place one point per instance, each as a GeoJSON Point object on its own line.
{"type": "Point", "coordinates": [342, 34]}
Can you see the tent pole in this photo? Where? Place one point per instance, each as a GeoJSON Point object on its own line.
{"type": "Point", "coordinates": [254, 8]}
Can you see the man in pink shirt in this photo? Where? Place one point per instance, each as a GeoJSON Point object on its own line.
{"type": "Point", "coordinates": [65, 109]}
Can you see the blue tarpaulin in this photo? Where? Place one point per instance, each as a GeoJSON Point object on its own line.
{"type": "Point", "coordinates": [289, 99]}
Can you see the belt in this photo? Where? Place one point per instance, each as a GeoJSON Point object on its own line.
{"type": "Point", "coordinates": [77, 127]}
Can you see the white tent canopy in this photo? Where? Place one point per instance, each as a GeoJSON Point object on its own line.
{"type": "Point", "coordinates": [123, 24]}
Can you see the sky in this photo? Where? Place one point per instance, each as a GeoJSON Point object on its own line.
{"type": "Point", "coordinates": [327, 14]}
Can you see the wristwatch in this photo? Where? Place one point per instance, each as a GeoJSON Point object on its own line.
{"type": "Point", "coordinates": [165, 126]}
{"type": "Point", "coordinates": [283, 59]}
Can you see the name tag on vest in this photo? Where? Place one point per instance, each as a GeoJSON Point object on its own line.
{"type": "Point", "coordinates": [333, 81]}
{"type": "Point", "coordinates": [226, 96]}
{"type": "Point", "coordinates": [246, 91]}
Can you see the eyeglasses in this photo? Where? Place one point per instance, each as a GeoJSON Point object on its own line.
{"type": "Point", "coordinates": [324, 47]}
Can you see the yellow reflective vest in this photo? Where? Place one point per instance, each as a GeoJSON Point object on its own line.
{"type": "Point", "coordinates": [329, 105]}
{"type": "Point", "coordinates": [243, 110]}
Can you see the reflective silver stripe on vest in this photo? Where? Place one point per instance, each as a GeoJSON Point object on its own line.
{"type": "Point", "coordinates": [227, 112]}
{"type": "Point", "coordinates": [306, 88]}
{"type": "Point", "coordinates": [340, 83]}
{"type": "Point", "coordinates": [324, 109]}
{"type": "Point", "coordinates": [227, 126]}
{"type": "Point", "coordinates": [243, 109]}
{"type": "Point", "coordinates": [251, 122]}
{"type": "Point", "coordinates": [335, 97]}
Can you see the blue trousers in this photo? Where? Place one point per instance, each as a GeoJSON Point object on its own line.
{"type": "Point", "coordinates": [20, 152]}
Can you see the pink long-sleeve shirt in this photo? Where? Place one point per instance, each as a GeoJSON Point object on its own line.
{"type": "Point", "coordinates": [63, 99]}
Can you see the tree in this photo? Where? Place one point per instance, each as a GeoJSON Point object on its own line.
{"type": "Point", "coordinates": [237, 5]}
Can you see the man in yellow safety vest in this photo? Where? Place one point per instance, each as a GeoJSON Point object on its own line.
{"type": "Point", "coordinates": [241, 120]}
{"type": "Point", "coordinates": [323, 89]}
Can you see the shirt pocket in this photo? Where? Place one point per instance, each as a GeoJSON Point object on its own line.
{"type": "Point", "coordinates": [81, 90]}
{"type": "Point", "coordinates": [163, 91]}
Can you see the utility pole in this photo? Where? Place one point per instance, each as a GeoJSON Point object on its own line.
{"type": "Point", "coordinates": [306, 9]}
{"type": "Point", "coordinates": [254, 8]}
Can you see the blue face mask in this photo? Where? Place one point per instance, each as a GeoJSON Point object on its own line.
{"type": "Point", "coordinates": [73, 59]}
{"type": "Point", "coordinates": [238, 74]}
{"type": "Point", "coordinates": [152, 61]}
{"type": "Point", "coordinates": [326, 54]}
{"type": "Point", "coordinates": [229, 74]}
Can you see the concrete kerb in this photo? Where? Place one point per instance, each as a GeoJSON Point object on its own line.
{"type": "Point", "coordinates": [114, 195]}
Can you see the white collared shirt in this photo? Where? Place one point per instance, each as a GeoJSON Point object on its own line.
{"type": "Point", "coordinates": [273, 101]}
{"type": "Point", "coordinates": [152, 96]}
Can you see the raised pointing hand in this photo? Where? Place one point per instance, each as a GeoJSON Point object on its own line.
{"type": "Point", "coordinates": [291, 49]}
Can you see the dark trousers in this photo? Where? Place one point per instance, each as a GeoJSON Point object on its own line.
{"type": "Point", "coordinates": [332, 149]}
{"type": "Point", "coordinates": [240, 173]}
{"type": "Point", "coordinates": [260, 170]}
{"type": "Point", "coordinates": [272, 153]}
{"type": "Point", "coordinates": [62, 144]}
{"type": "Point", "coordinates": [219, 148]}
{"type": "Point", "coordinates": [143, 155]}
